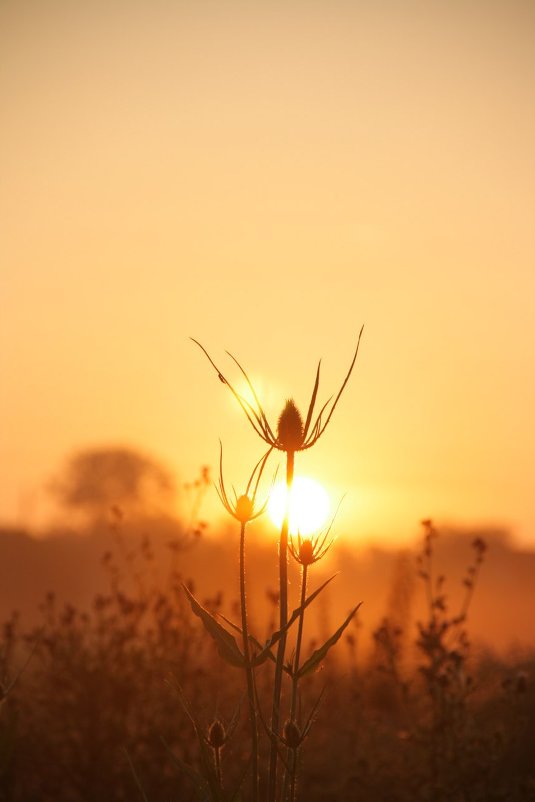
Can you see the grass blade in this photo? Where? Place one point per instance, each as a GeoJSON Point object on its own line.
{"type": "Point", "coordinates": [135, 775]}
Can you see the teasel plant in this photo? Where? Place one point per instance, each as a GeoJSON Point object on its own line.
{"type": "Point", "coordinates": [305, 551]}
{"type": "Point", "coordinates": [290, 436]}
{"type": "Point", "coordinates": [212, 741]}
{"type": "Point", "coordinates": [244, 509]}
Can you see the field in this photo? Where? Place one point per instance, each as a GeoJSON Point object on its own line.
{"type": "Point", "coordinates": [108, 699]}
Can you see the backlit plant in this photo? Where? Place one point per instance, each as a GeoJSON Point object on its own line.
{"type": "Point", "coordinates": [291, 434]}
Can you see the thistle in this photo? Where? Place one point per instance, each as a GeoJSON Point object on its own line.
{"type": "Point", "coordinates": [292, 435]}
{"type": "Point", "coordinates": [244, 510]}
{"type": "Point", "coordinates": [306, 551]}
{"type": "Point", "coordinates": [217, 737]}
{"type": "Point", "coordinates": [290, 431]}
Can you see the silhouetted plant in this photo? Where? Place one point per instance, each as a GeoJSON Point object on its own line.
{"type": "Point", "coordinates": [291, 435]}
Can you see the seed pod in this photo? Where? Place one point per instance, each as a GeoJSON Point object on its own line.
{"type": "Point", "coordinates": [292, 736]}
{"type": "Point", "coordinates": [216, 734]}
{"type": "Point", "coordinates": [290, 428]}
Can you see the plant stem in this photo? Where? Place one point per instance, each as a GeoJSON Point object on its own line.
{"type": "Point", "coordinates": [295, 679]}
{"type": "Point", "coordinates": [248, 668]}
{"type": "Point", "coordinates": [283, 609]}
{"type": "Point", "coordinates": [219, 774]}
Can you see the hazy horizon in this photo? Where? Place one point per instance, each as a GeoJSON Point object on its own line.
{"type": "Point", "coordinates": [49, 515]}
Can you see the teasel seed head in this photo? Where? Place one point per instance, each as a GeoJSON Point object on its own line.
{"type": "Point", "coordinates": [244, 509]}
{"type": "Point", "coordinates": [290, 427]}
{"type": "Point", "coordinates": [291, 735]}
{"type": "Point", "coordinates": [306, 552]}
{"type": "Point", "coordinates": [216, 734]}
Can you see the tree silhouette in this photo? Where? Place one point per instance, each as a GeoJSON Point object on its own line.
{"type": "Point", "coordinates": [121, 480]}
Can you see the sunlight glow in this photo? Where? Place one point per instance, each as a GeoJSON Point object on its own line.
{"type": "Point", "coordinates": [309, 505]}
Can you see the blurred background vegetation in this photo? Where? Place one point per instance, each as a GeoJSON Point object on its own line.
{"type": "Point", "coordinates": [423, 699]}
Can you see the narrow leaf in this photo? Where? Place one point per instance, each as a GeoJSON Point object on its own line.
{"type": "Point", "coordinates": [312, 401]}
{"type": "Point", "coordinates": [319, 654]}
{"type": "Point", "coordinates": [263, 652]}
{"type": "Point", "coordinates": [266, 650]}
{"type": "Point", "coordinates": [225, 642]}
{"type": "Point", "coordinates": [260, 410]}
{"type": "Point", "coordinates": [342, 388]}
{"type": "Point", "coordinates": [135, 775]}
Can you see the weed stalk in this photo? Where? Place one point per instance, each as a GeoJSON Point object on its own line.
{"type": "Point", "coordinates": [248, 667]}
{"type": "Point", "coordinates": [295, 678]}
{"type": "Point", "coordinates": [283, 608]}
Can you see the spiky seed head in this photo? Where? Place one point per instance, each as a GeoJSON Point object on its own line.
{"type": "Point", "coordinates": [290, 427]}
{"type": "Point", "coordinates": [306, 552]}
{"type": "Point", "coordinates": [216, 734]}
{"type": "Point", "coordinates": [292, 736]}
{"type": "Point", "coordinates": [244, 509]}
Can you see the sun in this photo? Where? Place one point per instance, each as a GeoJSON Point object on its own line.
{"type": "Point", "coordinates": [309, 505]}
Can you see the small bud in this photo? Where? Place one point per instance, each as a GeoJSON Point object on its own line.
{"type": "Point", "coordinates": [290, 428]}
{"type": "Point", "coordinates": [216, 734]}
{"type": "Point", "coordinates": [306, 552]}
{"type": "Point", "coordinates": [244, 509]}
{"type": "Point", "coordinates": [292, 736]}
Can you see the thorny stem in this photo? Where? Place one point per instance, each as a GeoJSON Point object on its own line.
{"type": "Point", "coordinates": [283, 609]}
{"type": "Point", "coordinates": [248, 668]}
{"type": "Point", "coordinates": [295, 679]}
{"type": "Point", "coordinates": [217, 759]}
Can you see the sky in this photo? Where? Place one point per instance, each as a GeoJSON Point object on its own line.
{"type": "Point", "coordinates": [268, 177]}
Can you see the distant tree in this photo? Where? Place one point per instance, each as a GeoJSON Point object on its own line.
{"type": "Point", "coordinates": [119, 480]}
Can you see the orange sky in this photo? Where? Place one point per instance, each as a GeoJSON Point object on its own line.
{"type": "Point", "coordinates": [267, 177]}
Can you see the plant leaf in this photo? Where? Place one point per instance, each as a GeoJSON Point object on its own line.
{"type": "Point", "coordinates": [294, 616]}
{"type": "Point", "coordinates": [319, 654]}
{"type": "Point", "coordinates": [225, 642]}
{"type": "Point", "coordinates": [312, 401]}
{"type": "Point", "coordinates": [252, 640]}
{"type": "Point", "coordinates": [265, 652]}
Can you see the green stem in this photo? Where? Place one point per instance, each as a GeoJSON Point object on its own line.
{"type": "Point", "coordinates": [283, 608]}
{"type": "Point", "coordinates": [248, 668]}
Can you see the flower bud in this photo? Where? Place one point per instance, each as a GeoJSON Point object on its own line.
{"type": "Point", "coordinates": [244, 509]}
{"type": "Point", "coordinates": [216, 734]}
{"type": "Point", "coordinates": [290, 428]}
{"type": "Point", "coordinates": [306, 552]}
{"type": "Point", "coordinates": [292, 736]}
